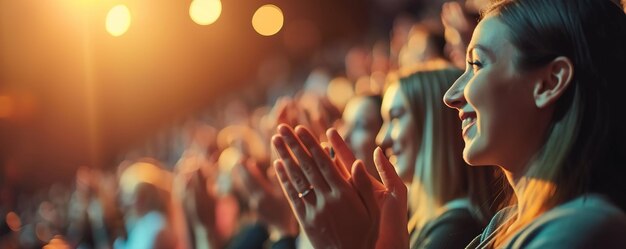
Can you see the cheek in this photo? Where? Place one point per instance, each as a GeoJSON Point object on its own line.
{"type": "Point", "coordinates": [476, 93]}
{"type": "Point", "coordinates": [488, 101]}
{"type": "Point", "coordinates": [483, 97]}
{"type": "Point", "coordinates": [407, 134]}
{"type": "Point", "coordinates": [502, 109]}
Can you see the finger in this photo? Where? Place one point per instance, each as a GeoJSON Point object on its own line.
{"type": "Point", "coordinates": [298, 178]}
{"type": "Point", "coordinates": [258, 178]}
{"type": "Point", "coordinates": [246, 179]}
{"type": "Point", "coordinates": [388, 174]}
{"type": "Point", "coordinates": [329, 171]}
{"type": "Point", "coordinates": [309, 165]}
{"type": "Point", "coordinates": [343, 169]}
{"type": "Point", "coordinates": [297, 206]}
{"type": "Point", "coordinates": [363, 183]}
{"type": "Point", "coordinates": [250, 181]}
{"type": "Point", "coordinates": [202, 182]}
{"type": "Point", "coordinates": [342, 151]}
{"type": "Point", "coordinates": [282, 113]}
{"type": "Point", "coordinates": [271, 176]}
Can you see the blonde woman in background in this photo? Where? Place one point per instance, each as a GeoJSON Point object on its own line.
{"type": "Point", "coordinates": [451, 203]}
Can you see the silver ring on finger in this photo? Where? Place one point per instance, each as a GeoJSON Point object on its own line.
{"type": "Point", "coordinates": [306, 192]}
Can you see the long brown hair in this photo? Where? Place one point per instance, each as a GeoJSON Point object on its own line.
{"type": "Point", "coordinates": [584, 147]}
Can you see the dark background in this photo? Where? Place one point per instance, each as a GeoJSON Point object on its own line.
{"type": "Point", "coordinates": [79, 96]}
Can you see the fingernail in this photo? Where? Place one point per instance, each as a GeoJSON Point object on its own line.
{"type": "Point", "coordinates": [284, 130]}
{"type": "Point", "coordinates": [276, 140]}
{"type": "Point", "coordinates": [380, 152]}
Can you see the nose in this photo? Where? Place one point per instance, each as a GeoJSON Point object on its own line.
{"type": "Point", "coordinates": [454, 97]}
{"type": "Point", "coordinates": [383, 139]}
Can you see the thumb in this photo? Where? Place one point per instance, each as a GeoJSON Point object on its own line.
{"type": "Point", "coordinates": [388, 174]}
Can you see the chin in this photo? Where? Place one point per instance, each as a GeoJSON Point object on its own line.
{"type": "Point", "coordinates": [473, 156]}
{"type": "Point", "coordinates": [468, 159]}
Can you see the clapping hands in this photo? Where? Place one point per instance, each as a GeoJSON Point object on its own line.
{"type": "Point", "coordinates": [337, 208]}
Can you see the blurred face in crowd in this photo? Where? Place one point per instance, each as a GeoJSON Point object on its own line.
{"type": "Point", "coordinates": [361, 124]}
{"type": "Point", "coordinates": [500, 120]}
{"type": "Point", "coordinates": [398, 133]}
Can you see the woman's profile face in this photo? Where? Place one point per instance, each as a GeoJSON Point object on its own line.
{"type": "Point", "coordinates": [495, 101]}
{"type": "Point", "coordinates": [397, 136]}
{"type": "Point", "coordinates": [361, 124]}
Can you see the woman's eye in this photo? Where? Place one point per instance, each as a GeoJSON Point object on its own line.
{"type": "Point", "coordinates": [476, 65]}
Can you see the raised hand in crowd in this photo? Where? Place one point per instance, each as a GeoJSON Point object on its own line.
{"type": "Point", "coordinates": [194, 188]}
{"type": "Point", "coordinates": [267, 200]}
{"type": "Point", "coordinates": [309, 110]}
{"type": "Point", "coordinates": [337, 208]}
{"type": "Point", "coordinates": [391, 194]}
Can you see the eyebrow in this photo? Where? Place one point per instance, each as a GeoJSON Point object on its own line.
{"type": "Point", "coordinates": [487, 51]}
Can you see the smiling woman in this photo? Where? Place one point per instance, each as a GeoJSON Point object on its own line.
{"type": "Point", "coordinates": [493, 91]}
{"type": "Point", "coordinates": [541, 104]}
{"type": "Point", "coordinates": [449, 202]}
{"type": "Point", "coordinates": [362, 123]}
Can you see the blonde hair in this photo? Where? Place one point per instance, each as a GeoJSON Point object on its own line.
{"type": "Point", "coordinates": [441, 175]}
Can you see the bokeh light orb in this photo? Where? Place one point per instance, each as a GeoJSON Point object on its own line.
{"type": "Point", "coordinates": [118, 20]}
{"type": "Point", "coordinates": [339, 92]}
{"type": "Point", "coordinates": [268, 20]}
{"type": "Point", "coordinates": [205, 12]}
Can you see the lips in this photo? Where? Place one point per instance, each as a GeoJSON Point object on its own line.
{"type": "Point", "coordinates": [467, 120]}
{"type": "Point", "coordinates": [467, 123]}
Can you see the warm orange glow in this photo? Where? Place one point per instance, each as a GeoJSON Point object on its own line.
{"type": "Point", "coordinates": [268, 20]}
{"type": "Point", "coordinates": [143, 172]}
{"type": "Point", "coordinates": [339, 92]}
{"type": "Point", "coordinates": [228, 159]}
{"type": "Point", "coordinates": [13, 221]}
{"type": "Point", "coordinates": [6, 107]}
{"type": "Point", "coordinates": [363, 86]}
{"type": "Point", "coordinates": [205, 12]}
{"type": "Point", "coordinates": [57, 243]}
{"type": "Point", "coordinates": [452, 36]}
{"type": "Point", "coordinates": [118, 20]}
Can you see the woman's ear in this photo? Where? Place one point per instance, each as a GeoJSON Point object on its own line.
{"type": "Point", "coordinates": [557, 76]}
